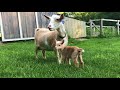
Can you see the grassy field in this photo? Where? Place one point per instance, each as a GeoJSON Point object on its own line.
{"type": "Point", "coordinates": [101, 58]}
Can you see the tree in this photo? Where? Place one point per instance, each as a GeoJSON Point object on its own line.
{"type": "Point", "coordinates": [86, 16]}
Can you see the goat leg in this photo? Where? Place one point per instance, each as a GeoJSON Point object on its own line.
{"type": "Point", "coordinates": [76, 62]}
{"type": "Point", "coordinates": [81, 61]}
{"type": "Point", "coordinates": [43, 53]}
{"type": "Point", "coordinates": [59, 58]}
{"type": "Point", "coordinates": [69, 61]}
{"type": "Point", "coordinates": [36, 51]}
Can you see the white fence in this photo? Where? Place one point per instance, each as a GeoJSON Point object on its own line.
{"type": "Point", "coordinates": [101, 26]}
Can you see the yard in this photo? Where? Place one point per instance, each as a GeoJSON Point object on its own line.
{"type": "Point", "coordinates": [101, 58]}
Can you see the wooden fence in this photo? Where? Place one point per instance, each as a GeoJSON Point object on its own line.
{"type": "Point", "coordinates": [75, 28]}
{"type": "Point", "coordinates": [101, 26]}
{"type": "Point", "coordinates": [21, 25]}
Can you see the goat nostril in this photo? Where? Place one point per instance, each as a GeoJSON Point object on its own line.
{"type": "Point", "coordinates": [49, 26]}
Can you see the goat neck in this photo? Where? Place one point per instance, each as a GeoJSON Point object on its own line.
{"type": "Point", "coordinates": [61, 31]}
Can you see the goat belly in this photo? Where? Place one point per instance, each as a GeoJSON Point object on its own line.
{"type": "Point", "coordinates": [48, 48]}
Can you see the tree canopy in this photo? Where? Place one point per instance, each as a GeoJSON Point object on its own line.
{"type": "Point", "coordinates": [85, 16]}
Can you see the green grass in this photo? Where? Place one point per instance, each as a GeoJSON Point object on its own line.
{"type": "Point", "coordinates": [101, 58]}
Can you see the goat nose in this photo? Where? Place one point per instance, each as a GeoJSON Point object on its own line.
{"type": "Point", "coordinates": [49, 26]}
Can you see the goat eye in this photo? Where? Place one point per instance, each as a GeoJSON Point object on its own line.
{"type": "Point", "coordinates": [57, 19]}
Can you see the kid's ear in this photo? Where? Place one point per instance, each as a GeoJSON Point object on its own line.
{"type": "Point", "coordinates": [62, 41]}
{"type": "Point", "coordinates": [55, 40]}
{"type": "Point", "coordinates": [81, 50]}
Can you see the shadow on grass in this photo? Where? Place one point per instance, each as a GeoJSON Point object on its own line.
{"type": "Point", "coordinates": [48, 60]}
{"type": "Point", "coordinates": [31, 59]}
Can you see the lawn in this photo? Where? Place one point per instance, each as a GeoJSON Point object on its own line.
{"type": "Point", "coordinates": [101, 58]}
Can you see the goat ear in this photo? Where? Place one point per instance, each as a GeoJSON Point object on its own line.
{"type": "Point", "coordinates": [61, 16]}
{"type": "Point", "coordinates": [47, 16]}
{"type": "Point", "coordinates": [62, 41]}
{"type": "Point", "coordinates": [81, 50]}
{"type": "Point", "coordinates": [55, 40]}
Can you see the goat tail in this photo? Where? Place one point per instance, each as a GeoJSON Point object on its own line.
{"type": "Point", "coordinates": [36, 29]}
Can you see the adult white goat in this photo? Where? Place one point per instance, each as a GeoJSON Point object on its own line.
{"type": "Point", "coordinates": [45, 38]}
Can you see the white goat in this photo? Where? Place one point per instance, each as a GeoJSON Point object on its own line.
{"type": "Point", "coordinates": [45, 37]}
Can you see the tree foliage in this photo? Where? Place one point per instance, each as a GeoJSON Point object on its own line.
{"type": "Point", "coordinates": [86, 16]}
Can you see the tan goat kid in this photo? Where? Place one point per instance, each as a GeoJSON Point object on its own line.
{"type": "Point", "coordinates": [70, 52]}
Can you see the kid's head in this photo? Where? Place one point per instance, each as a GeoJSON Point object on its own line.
{"type": "Point", "coordinates": [59, 44]}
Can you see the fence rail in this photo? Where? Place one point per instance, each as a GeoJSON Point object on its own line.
{"type": "Point", "coordinates": [101, 26]}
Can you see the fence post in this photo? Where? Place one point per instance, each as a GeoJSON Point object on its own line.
{"type": "Point", "coordinates": [90, 27]}
{"type": "Point", "coordinates": [101, 27]}
{"type": "Point", "coordinates": [20, 26]}
{"type": "Point", "coordinates": [118, 27]}
{"type": "Point", "coordinates": [36, 17]}
{"type": "Point", "coordinates": [1, 27]}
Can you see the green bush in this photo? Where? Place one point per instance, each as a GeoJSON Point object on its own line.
{"type": "Point", "coordinates": [107, 32]}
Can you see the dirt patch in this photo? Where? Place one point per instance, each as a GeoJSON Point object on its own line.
{"type": "Point", "coordinates": [81, 39]}
{"type": "Point", "coordinates": [78, 39]}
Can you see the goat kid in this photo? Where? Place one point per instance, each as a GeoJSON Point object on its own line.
{"type": "Point", "coordinates": [70, 52]}
{"type": "Point", "coordinates": [45, 37]}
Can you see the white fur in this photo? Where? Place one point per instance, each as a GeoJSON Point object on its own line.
{"type": "Point", "coordinates": [69, 61]}
{"type": "Point", "coordinates": [46, 43]}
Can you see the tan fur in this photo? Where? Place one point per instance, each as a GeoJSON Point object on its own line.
{"type": "Point", "coordinates": [43, 35]}
{"type": "Point", "coordinates": [70, 52]}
